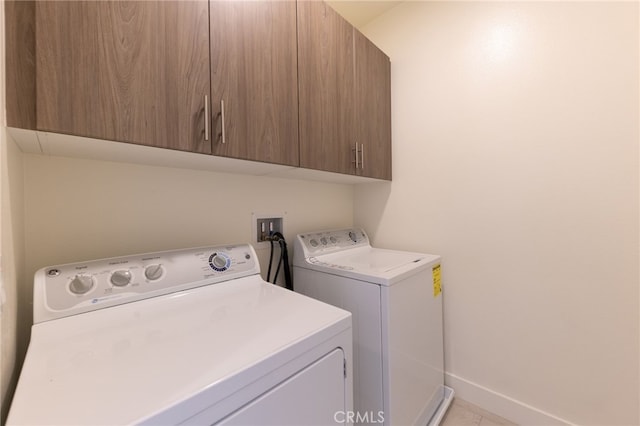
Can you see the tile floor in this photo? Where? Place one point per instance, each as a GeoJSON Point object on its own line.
{"type": "Point", "coordinates": [463, 413]}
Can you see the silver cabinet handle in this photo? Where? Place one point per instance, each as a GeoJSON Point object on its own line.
{"type": "Point", "coordinates": [206, 117]}
{"type": "Point", "coordinates": [224, 139]}
{"type": "Point", "coordinates": [356, 155]}
{"type": "Point", "coordinates": [362, 156]}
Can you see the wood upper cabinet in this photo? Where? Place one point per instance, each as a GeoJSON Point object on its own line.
{"type": "Point", "coordinates": [254, 99]}
{"type": "Point", "coordinates": [325, 78]}
{"type": "Point", "coordinates": [344, 93]}
{"type": "Point", "coordinates": [373, 120]}
{"type": "Point", "coordinates": [20, 63]}
{"type": "Point", "coordinates": [131, 71]}
{"type": "Point", "coordinates": [276, 81]}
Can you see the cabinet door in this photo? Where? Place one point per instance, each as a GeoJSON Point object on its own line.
{"type": "Point", "coordinates": [130, 71]}
{"type": "Point", "coordinates": [20, 67]}
{"type": "Point", "coordinates": [373, 106]}
{"type": "Point", "coordinates": [326, 80]}
{"type": "Point", "coordinates": [254, 80]}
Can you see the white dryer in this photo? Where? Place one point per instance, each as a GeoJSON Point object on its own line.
{"type": "Point", "coordinates": [181, 337]}
{"type": "Point", "coordinates": [396, 302]}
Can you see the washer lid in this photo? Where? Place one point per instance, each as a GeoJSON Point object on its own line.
{"type": "Point", "coordinates": [132, 363]}
{"type": "Point", "coordinates": [379, 266]}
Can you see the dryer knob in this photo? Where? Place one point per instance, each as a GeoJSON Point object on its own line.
{"type": "Point", "coordinates": [219, 261]}
{"type": "Point", "coordinates": [81, 284]}
{"type": "Point", "coordinates": [353, 236]}
{"type": "Point", "coordinates": [153, 272]}
{"type": "Point", "coordinates": [121, 278]}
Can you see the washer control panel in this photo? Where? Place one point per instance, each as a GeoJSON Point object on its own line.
{"type": "Point", "coordinates": [315, 243]}
{"type": "Point", "coordinates": [80, 287]}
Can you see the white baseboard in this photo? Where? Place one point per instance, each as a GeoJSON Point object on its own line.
{"type": "Point", "coordinates": [502, 405]}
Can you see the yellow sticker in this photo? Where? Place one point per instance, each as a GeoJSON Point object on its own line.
{"type": "Point", "coordinates": [437, 283]}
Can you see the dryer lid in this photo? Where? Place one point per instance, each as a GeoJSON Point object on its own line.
{"type": "Point", "coordinates": [143, 361]}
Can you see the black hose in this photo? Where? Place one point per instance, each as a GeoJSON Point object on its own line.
{"type": "Point", "coordinates": [270, 262]}
{"type": "Point", "coordinates": [288, 281]}
{"type": "Point", "coordinates": [275, 277]}
{"type": "Point", "coordinates": [283, 262]}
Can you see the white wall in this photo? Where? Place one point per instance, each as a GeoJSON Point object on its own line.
{"type": "Point", "coordinates": [515, 131]}
{"type": "Point", "coordinates": [12, 270]}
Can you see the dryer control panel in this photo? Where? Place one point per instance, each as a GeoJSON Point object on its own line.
{"type": "Point", "coordinates": [315, 243]}
{"type": "Point", "coordinates": [74, 288]}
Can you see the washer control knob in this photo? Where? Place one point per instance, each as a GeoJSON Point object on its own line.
{"type": "Point", "coordinates": [314, 243]}
{"type": "Point", "coordinates": [353, 236]}
{"type": "Point", "coordinates": [81, 284]}
{"type": "Point", "coordinates": [153, 272]}
{"type": "Point", "coordinates": [121, 278]}
{"type": "Point", "coordinates": [323, 240]}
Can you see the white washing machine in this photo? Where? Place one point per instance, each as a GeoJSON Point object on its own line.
{"type": "Point", "coordinates": [396, 301]}
{"type": "Point", "coordinates": [181, 337]}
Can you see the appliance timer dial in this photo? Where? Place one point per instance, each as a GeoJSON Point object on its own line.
{"type": "Point", "coordinates": [81, 284]}
{"type": "Point", "coordinates": [219, 262]}
{"type": "Point", "coordinates": [121, 278]}
{"type": "Point", "coordinates": [153, 272]}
